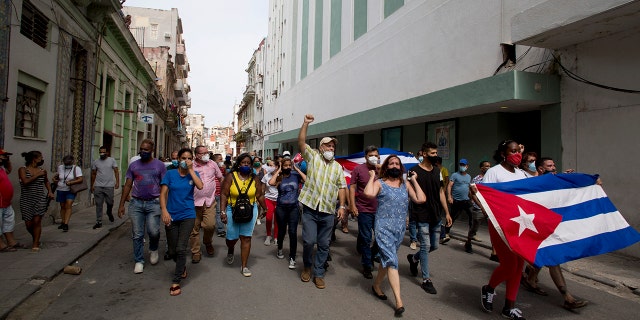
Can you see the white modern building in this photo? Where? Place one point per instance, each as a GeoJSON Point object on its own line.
{"type": "Point", "coordinates": [560, 77]}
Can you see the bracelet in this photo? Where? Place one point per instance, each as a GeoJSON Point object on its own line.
{"type": "Point", "coordinates": [343, 207]}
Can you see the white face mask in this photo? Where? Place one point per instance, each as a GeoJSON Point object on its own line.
{"type": "Point", "coordinates": [373, 160]}
{"type": "Point", "coordinates": [205, 158]}
{"type": "Point", "coordinates": [328, 155]}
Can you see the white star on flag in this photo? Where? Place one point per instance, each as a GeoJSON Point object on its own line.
{"type": "Point", "coordinates": [525, 221]}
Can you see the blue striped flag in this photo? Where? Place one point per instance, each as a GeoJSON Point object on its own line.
{"type": "Point", "coordinates": [555, 218]}
{"type": "Point", "coordinates": [351, 161]}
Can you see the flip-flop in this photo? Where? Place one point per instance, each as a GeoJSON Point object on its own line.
{"type": "Point", "coordinates": [174, 291]}
{"type": "Point", "coordinates": [8, 249]}
{"type": "Point", "coordinates": [19, 245]}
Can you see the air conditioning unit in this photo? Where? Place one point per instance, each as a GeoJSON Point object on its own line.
{"type": "Point", "coordinates": [167, 35]}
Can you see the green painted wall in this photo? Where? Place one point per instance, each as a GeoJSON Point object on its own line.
{"type": "Point", "coordinates": [304, 46]}
{"type": "Point", "coordinates": [391, 6]}
{"type": "Point", "coordinates": [317, 39]}
{"type": "Point", "coordinates": [335, 42]}
{"type": "Point", "coordinates": [359, 18]}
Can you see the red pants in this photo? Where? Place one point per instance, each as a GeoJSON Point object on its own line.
{"type": "Point", "coordinates": [271, 222]}
{"type": "Point", "coordinates": [510, 268]}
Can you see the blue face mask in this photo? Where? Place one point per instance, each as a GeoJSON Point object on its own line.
{"type": "Point", "coordinates": [420, 158]}
{"type": "Point", "coordinates": [175, 163]}
{"type": "Point", "coordinates": [532, 166]}
{"type": "Point", "coordinates": [183, 164]}
{"type": "Point", "coordinates": [463, 168]}
{"type": "Point", "coordinates": [145, 156]}
{"type": "Point", "coordinates": [244, 169]}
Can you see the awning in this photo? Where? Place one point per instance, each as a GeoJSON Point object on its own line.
{"type": "Point", "coordinates": [111, 133]}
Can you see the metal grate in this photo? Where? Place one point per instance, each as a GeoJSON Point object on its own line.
{"type": "Point", "coordinates": [34, 25]}
{"type": "Point", "coordinates": [27, 109]}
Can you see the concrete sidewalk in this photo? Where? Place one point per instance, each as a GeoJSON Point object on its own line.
{"type": "Point", "coordinates": [23, 272]}
{"type": "Point", "coordinates": [613, 269]}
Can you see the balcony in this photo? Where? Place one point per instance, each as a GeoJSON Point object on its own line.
{"type": "Point", "coordinates": [180, 54]}
{"type": "Point", "coordinates": [249, 94]}
{"type": "Point", "coordinates": [180, 88]}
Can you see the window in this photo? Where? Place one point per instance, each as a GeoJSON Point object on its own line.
{"type": "Point", "coordinates": [154, 31]}
{"type": "Point", "coordinates": [27, 109]}
{"type": "Point", "coordinates": [392, 138]}
{"type": "Point", "coordinates": [34, 25]}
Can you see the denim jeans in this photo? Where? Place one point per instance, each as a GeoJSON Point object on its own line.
{"type": "Point", "coordinates": [219, 224]}
{"type": "Point", "coordinates": [316, 229]}
{"type": "Point", "coordinates": [287, 218]}
{"type": "Point", "coordinates": [102, 195]}
{"type": "Point", "coordinates": [413, 232]}
{"type": "Point", "coordinates": [428, 237]}
{"type": "Point", "coordinates": [178, 232]}
{"type": "Point", "coordinates": [145, 215]}
{"type": "Point", "coordinates": [366, 223]}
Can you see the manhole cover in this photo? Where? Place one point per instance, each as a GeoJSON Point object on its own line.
{"type": "Point", "coordinates": [53, 244]}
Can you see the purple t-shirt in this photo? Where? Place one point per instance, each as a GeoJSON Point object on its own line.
{"type": "Point", "coordinates": [360, 177]}
{"type": "Point", "coordinates": [146, 178]}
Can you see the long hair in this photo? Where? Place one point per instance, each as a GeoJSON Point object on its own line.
{"type": "Point", "coordinates": [385, 166]}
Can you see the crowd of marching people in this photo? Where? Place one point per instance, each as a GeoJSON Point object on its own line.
{"type": "Point", "coordinates": [199, 195]}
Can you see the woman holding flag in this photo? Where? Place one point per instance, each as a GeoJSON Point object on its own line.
{"type": "Point", "coordinates": [508, 155]}
{"type": "Point", "coordinates": [393, 194]}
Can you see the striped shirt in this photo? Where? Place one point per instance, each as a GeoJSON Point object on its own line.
{"type": "Point", "coordinates": [324, 179]}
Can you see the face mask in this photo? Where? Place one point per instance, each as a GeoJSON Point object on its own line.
{"type": "Point", "coordinates": [372, 160]}
{"type": "Point", "coordinates": [68, 167]}
{"type": "Point", "coordinates": [432, 159]}
{"type": "Point", "coordinates": [103, 156]}
{"type": "Point", "coordinates": [244, 169]}
{"type": "Point", "coordinates": [328, 155]}
{"type": "Point", "coordinates": [532, 166]}
{"type": "Point", "coordinates": [257, 164]}
{"type": "Point", "coordinates": [144, 156]}
{"type": "Point", "coordinates": [286, 171]}
{"type": "Point", "coordinates": [183, 164]}
{"type": "Point", "coordinates": [463, 168]}
{"type": "Point", "coordinates": [394, 172]}
{"type": "Point", "coordinates": [514, 159]}
{"type": "Point", "coordinates": [41, 162]}
{"type": "Point", "coordinates": [420, 158]}
{"type": "Point", "coordinates": [220, 164]}
{"type": "Point", "coordinates": [205, 158]}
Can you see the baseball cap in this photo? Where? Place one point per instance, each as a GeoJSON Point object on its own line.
{"type": "Point", "coordinates": [464, 161]}
{"type": "Point", "coordinates": [286, 153]}
{"type": "Point", "coordinates": [326, 140]}
{"type": "Point", "coordinates": [3, 152]}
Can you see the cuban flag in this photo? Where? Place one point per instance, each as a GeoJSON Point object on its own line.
{"type": "Point", "coordinates": [351, 161]}
{"type": "Point", "coordinates": [555, 218]}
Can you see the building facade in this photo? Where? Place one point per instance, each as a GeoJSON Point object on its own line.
{"type": "Point", "coordinates": [560, 78]}
{"type": "Point", "coordinates": [249, 117]}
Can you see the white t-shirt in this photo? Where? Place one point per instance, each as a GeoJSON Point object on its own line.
{"type": "Point", "coordinates": [499, 174]}
{"type": "Point", "coordinates": [272, 191]}
{"type": "Point", "coordinates": [65, 175]}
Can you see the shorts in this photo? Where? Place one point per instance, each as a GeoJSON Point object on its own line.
{"type": "Point", "coordinates": [7, 220]}
{"type": "Point", "coordinates": [235, 230]}
{"type": "Point", "coordinates": [63, 196]}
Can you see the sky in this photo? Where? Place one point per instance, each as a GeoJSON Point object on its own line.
{"type": "Point", "coordinates": [220, 37]}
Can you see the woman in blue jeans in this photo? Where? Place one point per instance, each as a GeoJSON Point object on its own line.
{"type": "Point", "coordinates": [288, 181]}
{"type": "Point", "coordinates": [178, 212]}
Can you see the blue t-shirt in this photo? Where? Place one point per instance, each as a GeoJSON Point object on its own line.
{"type": "Point", "coordinates": [288, 189]}
{"type": "Point", "coordinates": [180, 200]}
{"type": "Point", "coordinates": [460, 189]}
{"type": "Point", "coordinates": [146, 178]}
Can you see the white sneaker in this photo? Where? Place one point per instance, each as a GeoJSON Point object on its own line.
{"type": "Point", "coordinates": [246, 272]}
{"type": "Point", "coordinates": [258, 222]}
{"type": "Point", "coordinates": [138, 268]}
{"type": "Point", "coordinates": [280, 255]}
{"type": "Point", "coordinates": [153, 257]}
{"type": "Point", "coordinates": [476, 239]}
{"type": "Point", "coordinates": [292, 263]}
{"type": "Point", "coordinates": [414, 245]}
{"type": "Point", "coordinates": [267, 242]}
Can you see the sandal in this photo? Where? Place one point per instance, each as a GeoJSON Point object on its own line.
{"type": "Point", "coordinates": [525, 283]}
{"type": "Point", "coordinates": [8, 249]}
{"type": "Point", "coordinates": [35, 250]}
{"type": "Point", "coordinates": [175, 290]}
{"type": "Point", "coordinates": [19, 245]}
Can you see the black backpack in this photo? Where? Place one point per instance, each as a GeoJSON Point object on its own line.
{"type": "Point", "coordinates": [242, 210]}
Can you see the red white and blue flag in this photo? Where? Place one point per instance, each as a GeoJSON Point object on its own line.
{"type": "Point", "coordinates": [351, 161]}
{"type": "Point", "coordinates": [555, 218]}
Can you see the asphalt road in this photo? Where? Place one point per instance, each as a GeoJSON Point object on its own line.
{"type": "Point", "coordinates": [108, 288]}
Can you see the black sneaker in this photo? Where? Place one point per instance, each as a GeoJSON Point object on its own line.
{"type": "Point", "coordinates": [513, 314]}
{"type": "Point", "coordinates": [222, 234]}
{"type": "Point", "coordinates": [366, 272]}
{"type": "Point", "coordinates": [97, 225]}
{"type": "Point", "coordinates": [413, 265]}
{"type": "Point", "coordinates": [61, 226]}
{"type": "Point", "coordinates": [65, 227]}
{"type": "Point", "coordinates": [487, 298]}
{"type": "Point", "coordinates": [467, 247]}
{"type": "Point", "coordinates": [427, 286]}
{"type": "Point", "coordinates": [110, 215]}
